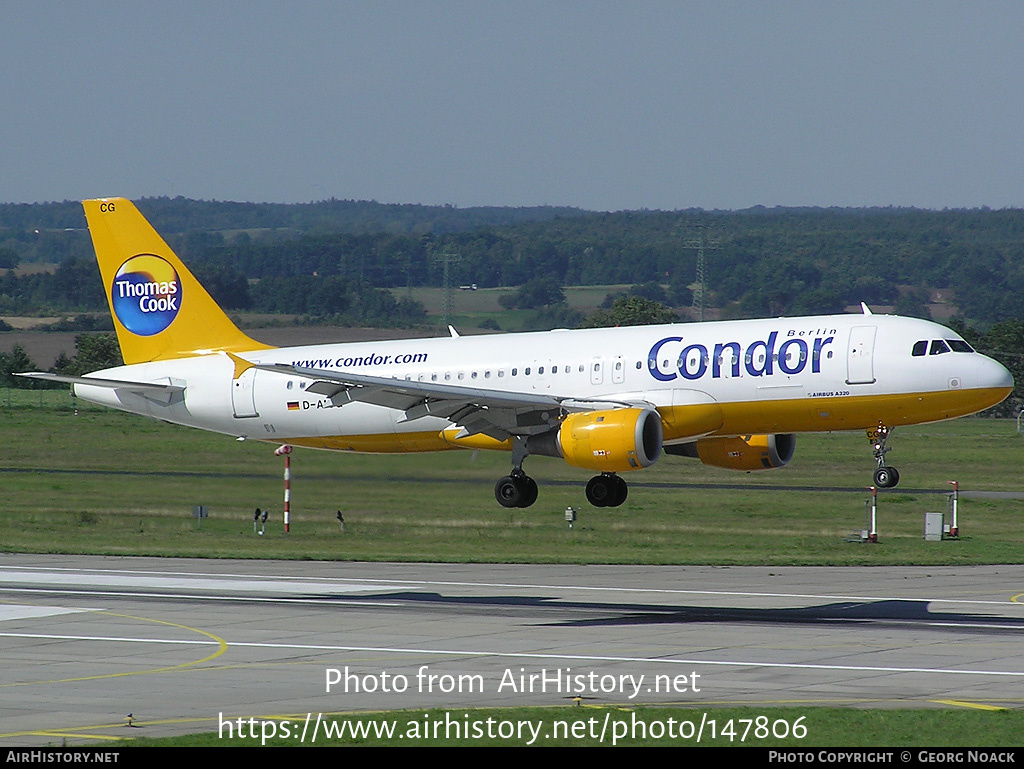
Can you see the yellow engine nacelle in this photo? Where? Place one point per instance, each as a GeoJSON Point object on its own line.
{"type": "Point", "coordinates": [746, 452]}
{"type": "Point", "coordinates": [611, 441]}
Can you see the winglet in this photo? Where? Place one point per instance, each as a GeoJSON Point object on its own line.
{"type": "Point", "coordinates": [452, 331]}
{"type": "Point", "coordinates": [864, 307]}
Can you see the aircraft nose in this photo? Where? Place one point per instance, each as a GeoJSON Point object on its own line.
{"type": "Point", "coordinates": [995, 374]}
{"type": "Point", "coordinates": [999, 375]}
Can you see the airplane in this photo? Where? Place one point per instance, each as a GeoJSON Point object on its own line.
{"type": "Point", "coordinates": [732, 394]}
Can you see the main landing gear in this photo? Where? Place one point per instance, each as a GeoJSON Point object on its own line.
{"type": "Point", "coordinates": [517, 489]}
{"type": "Point", "coordinates": [885, 477]}
{"type": "Point", "coordinates": [607, 490]}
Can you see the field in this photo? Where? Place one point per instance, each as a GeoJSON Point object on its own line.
{"type": "Point", "coordinates": [471, 308]}
{"type": "Point", "coordinates": [78, 479]}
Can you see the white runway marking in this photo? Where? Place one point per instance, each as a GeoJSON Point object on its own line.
{"type": "Point", "coordinates": [212, 582]}
{"type": "Point", "coordinates": [530, 655]}
{"type": "Point", "coordinates": [21, 611]}
{"type": "Point", "coordinates": [250, 583]}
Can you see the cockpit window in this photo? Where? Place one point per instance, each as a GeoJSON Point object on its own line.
{"type": "Point", "coordinates": [920, 348]}
{"type": "Point", "coordinates": [959, 345]}
{"type": "Point", "coordinates": [938, 347]}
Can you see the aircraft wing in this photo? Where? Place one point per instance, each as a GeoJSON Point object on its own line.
{"type": "Point", "coordinates": [499, 414]}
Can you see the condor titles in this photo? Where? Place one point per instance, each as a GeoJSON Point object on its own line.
{"type": "Point", "coordinates": [759, 358]}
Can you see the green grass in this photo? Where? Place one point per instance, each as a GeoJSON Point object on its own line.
{"type": "Point", "coordinates": [99, 481]}
{"type": "Point", "coordinates": [569, 726]}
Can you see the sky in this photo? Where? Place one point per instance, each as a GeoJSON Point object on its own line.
{"type": "Point", "coordinates": [599, 105]}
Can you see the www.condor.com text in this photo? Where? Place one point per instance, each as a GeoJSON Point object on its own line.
{"type": "Point", "coordinates": [604, 728]}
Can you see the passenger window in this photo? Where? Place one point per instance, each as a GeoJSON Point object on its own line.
{"type": "Point", "coordinates": [920, 348]}
{"type": "Point", "coordinates": [515, 372]}
{"type": "Point", "coordinates": [938, 347]}
{"type": "Point", "coordinates": [638, 364]}
{"type": "Point", "coordinates": [526, 371]}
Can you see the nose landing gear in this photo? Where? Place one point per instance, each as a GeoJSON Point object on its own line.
{"type": "Point", "coordinates": [885, 477]}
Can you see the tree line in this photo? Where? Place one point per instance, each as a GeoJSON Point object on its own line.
{"type": "Point", "coordinates": [760, 262]}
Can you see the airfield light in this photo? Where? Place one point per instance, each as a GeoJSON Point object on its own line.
{"type": "Point", "coordinates": [954, 530]}
{"type": "Point", "coordinates": [873, 534]}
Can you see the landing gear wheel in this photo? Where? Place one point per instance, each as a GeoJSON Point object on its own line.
{"type": "Point", "coordinates": [508, 492]}
{"type": "Point", "coordinates": [606, 490]}
{"type": "Point", "coordinates": [516, 491]}
{"type": "Point", "coordinates": [530, 495]}
{"type": "Point", "coordinates": [886, 477]}
{"type": "Point", "coordinates": [621, 492]}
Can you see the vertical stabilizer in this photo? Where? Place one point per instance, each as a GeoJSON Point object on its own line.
{"type": "Point", "coordinates": [160, 310]}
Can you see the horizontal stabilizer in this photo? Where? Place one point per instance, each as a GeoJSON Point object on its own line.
{"type": "Point", "coordinates": [114, 384]}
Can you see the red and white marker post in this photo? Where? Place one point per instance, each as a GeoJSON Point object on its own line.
{"type": "Point", "coordinates": [285, 451]}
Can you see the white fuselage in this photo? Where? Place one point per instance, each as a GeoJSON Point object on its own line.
{"type": "Point", "coordinates": [839, 372]}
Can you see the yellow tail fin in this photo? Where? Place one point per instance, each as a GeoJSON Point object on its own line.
{"type": "Point", "coordinates": [160, 310]}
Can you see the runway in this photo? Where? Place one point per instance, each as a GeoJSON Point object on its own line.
{"type": "Point", "coordinates": [179, 644]}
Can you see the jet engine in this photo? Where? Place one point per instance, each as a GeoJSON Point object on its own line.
{"type": "Point", "coordinates": [609, 441]}
{"type": "Point", "coordinates": [745, 452]}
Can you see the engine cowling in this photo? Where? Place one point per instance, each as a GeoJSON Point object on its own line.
{"type": "Point", "coordinates": [745, 452]}
{"type": "Point", "coordinates": [610, 441]}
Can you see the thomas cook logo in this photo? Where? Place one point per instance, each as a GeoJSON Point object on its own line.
{"type": "Point", "coordinates": [146, 294]}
